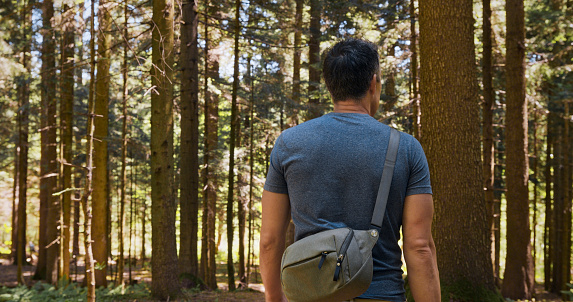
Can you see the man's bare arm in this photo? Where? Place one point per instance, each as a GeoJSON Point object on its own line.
{"type": "Point", "coordinates": [419, 248]}
{"type": "Point", "coordinates": [276, 216]}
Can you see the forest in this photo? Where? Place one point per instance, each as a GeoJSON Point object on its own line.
{"type": "Point", "coordinates": [135, 138]}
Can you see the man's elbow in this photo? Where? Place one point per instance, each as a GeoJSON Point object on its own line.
{"type": "Point", "coordinates": [420, 248]}
{"type": "Point", "coordinates": [270, 243]}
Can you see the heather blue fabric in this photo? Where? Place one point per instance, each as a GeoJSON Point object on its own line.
{"type": "Point", "coordinates": [331, 168]}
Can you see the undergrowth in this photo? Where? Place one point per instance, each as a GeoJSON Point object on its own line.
{"type": "Point", "coordinates": [72, 292]}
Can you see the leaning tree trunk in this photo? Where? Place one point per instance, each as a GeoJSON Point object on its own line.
{"type": "Point", "coordinates": [189, 184]}
{"type": "Point", "coordinates": [450, 119]}
{"type": "Point", "coordinates": [518, 276]}
{"type": "Point", "coordinates": [100, 177]}
{"type": "Point", "coordinates": [164, 249]}
{"type": "Point", "coordinates": [66, 136]}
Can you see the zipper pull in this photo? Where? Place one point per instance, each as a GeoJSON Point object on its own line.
{"type": "Point", "coordinates": [338, 264]}
{"type": "Point", "coordinates": [322, 258]}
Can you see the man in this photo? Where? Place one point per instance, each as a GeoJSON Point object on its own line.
{"type": "Point", "coordinates": [326, 173]}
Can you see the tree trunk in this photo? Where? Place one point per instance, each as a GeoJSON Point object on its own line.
{"type": "Point", "coordinates": [23, 129]}
{"type": "Point", "coordinates": [164, 249]}
{"type": "Point", "coordinates": [210, 183]}
{"type": "Point", "coordinates": [14, 232]}
{"type": "Point", "coordinates": [566, 241]}
{"type": "Point", "coordinates": [557, 234]}
{"type": "Point", "coordinates": [49, 105]}
{"type": "Point", "coordinates": [66, 137]}
{"type": "Point", "coordinates": [451, 126]}
{"type": "Point", "coordinates": [414, 69]}
{"type": "Point", "coordinates": [87, 205]}
{"type": "Point", "coordinates": [189, 185]}
{"type": "Point", "coordinates": [547, 229]}
{"type": "Point", "coordinates": [123, 177]}
{"type": "Point", "coordinates": [100, 177]}
{"type": "Point", "coordinates": [314, 104]}
{"type": "Point", "coordinates": [518, 276]}
{"type": "Point", "coordinates": [296, 59]}
{"type": "Point", "coordinates": [232, 140]}
{"type": "Point", "coordinates": [487, 125]}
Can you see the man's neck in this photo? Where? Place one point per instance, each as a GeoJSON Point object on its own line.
{"type": "Point", "coordinates": [351, 106]}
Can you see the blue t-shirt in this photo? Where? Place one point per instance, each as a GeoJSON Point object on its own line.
{"type": "Point", "coordinates": [331, 168]}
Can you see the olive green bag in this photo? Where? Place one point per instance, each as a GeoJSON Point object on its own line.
{"type": "Point", "coordinates": [336, 265]}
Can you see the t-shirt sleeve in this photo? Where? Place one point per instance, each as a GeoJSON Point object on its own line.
{"type": "Point", "coordinates": [419, 182]}
{"type": "Point", "coordinates": [275, 181]}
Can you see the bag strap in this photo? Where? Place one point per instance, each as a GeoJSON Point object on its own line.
{"type": "Point", "coordinates": [386, 181]}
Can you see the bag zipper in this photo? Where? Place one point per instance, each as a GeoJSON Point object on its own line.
{"type": "Point", "coordinates": [322, 258]}
{"type": "Point", "coordinates": [343, 249]}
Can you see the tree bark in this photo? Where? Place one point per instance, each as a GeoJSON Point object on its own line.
{"type": "Point", "coordinates": [232, 141]}
{"type": "Point", "coordinates": [547, 229]}
{"type": "Point", "coordinates": [297, 59]}
{"type": "Point", "coordinates": [23, 129]}
{"type": "Point", "coordinates": [189, 185]}
{"type": "Point", "coordinates": [314, 104]}
{"type": "Point", "coordinates": [88, 187]}
{"type": "Point", "coordinates": [66, 137]}
{"type": "Point", "coordinates": [123, 177]}
{"type": "Point", "coordinates": [414, 70]}
{"type": "Point", "coordinates": [101, 122]}
{"type": "Point", "coordinates": [208, 244]}
{"type": "Point", "coordinates": [49, 105]}
{"type": "Point", "coordinates": [518, 276]}
{"type": "Point", "coordinates": [487, 125]}
{"type": "Point", "coordinates": [566, 242]}
{"type": "Point", "coordinates": [164, 249]}
{"type": "Point", "coordinates": [450, 121]}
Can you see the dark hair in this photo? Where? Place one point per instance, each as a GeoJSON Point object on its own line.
{"type": "Point", "coordinates": [348, 68]}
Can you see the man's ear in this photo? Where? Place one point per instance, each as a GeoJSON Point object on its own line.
{"type": "Point", "coordinates": [373, 83]}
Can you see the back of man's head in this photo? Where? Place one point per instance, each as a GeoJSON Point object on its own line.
{"type": "Point", "coordinates": [348, 68]}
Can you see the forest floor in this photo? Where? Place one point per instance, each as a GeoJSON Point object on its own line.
{"type": "Point", "coordinates": [141, 275]}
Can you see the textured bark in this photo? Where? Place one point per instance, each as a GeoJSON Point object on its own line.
{"type": "Point", "coordinates": [23, 129]}
{"type": "Point", "coordinates": [251, 165]}
{"type": "Point", "coordinates": [49, 105]}
{"type": "Point", "coordinates": [415, 101]}
{"type": "Point", "coordinates": [164, 250]}
{"type": "Point", "coordinates": [296, 59]}
{"type": "Point", "coordinates": [451, 125]}
{"type": "Point", "coordinates": [66, 137]}
{"type": "Point", "coordinates": [100, 177]}
{"type": "Point", "coordinates": [518, 276]}
{"type": "Point", "coordinates": [189, 184]}
{"type": "Point", "coordinates": [123, 176]}
{"type": "Point", "coordinates": [547, 229]}
{"type": "Point", "coordinates": [487, 125]}
{"type": "Point", "coordinates": [232, 141]}
{"type": "Point", "coordinates": [566, 227]}
{"type": "Point", "coordinates": [88, 187]}
{"type": "Point", "coordinates": [556, 223]}
{"type": "Point", "coordinates": [390, 83]}
{"type": "Point", "coordinates": [210, 183]}
{"type": "Point", "coordinates": [14, 232]}
{"type": "Point", "coordinates": [314, 104]}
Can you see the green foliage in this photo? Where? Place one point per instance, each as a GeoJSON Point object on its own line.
{"type": "Point", "coordinates": [568, 293]}
{"type": "Point", "coordinates": [462, 291]}
{"type": "Point", "coordinates": [72, 292]}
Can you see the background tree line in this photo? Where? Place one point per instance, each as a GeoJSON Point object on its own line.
{"type": "Point", "coordinates": [120, 115]}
